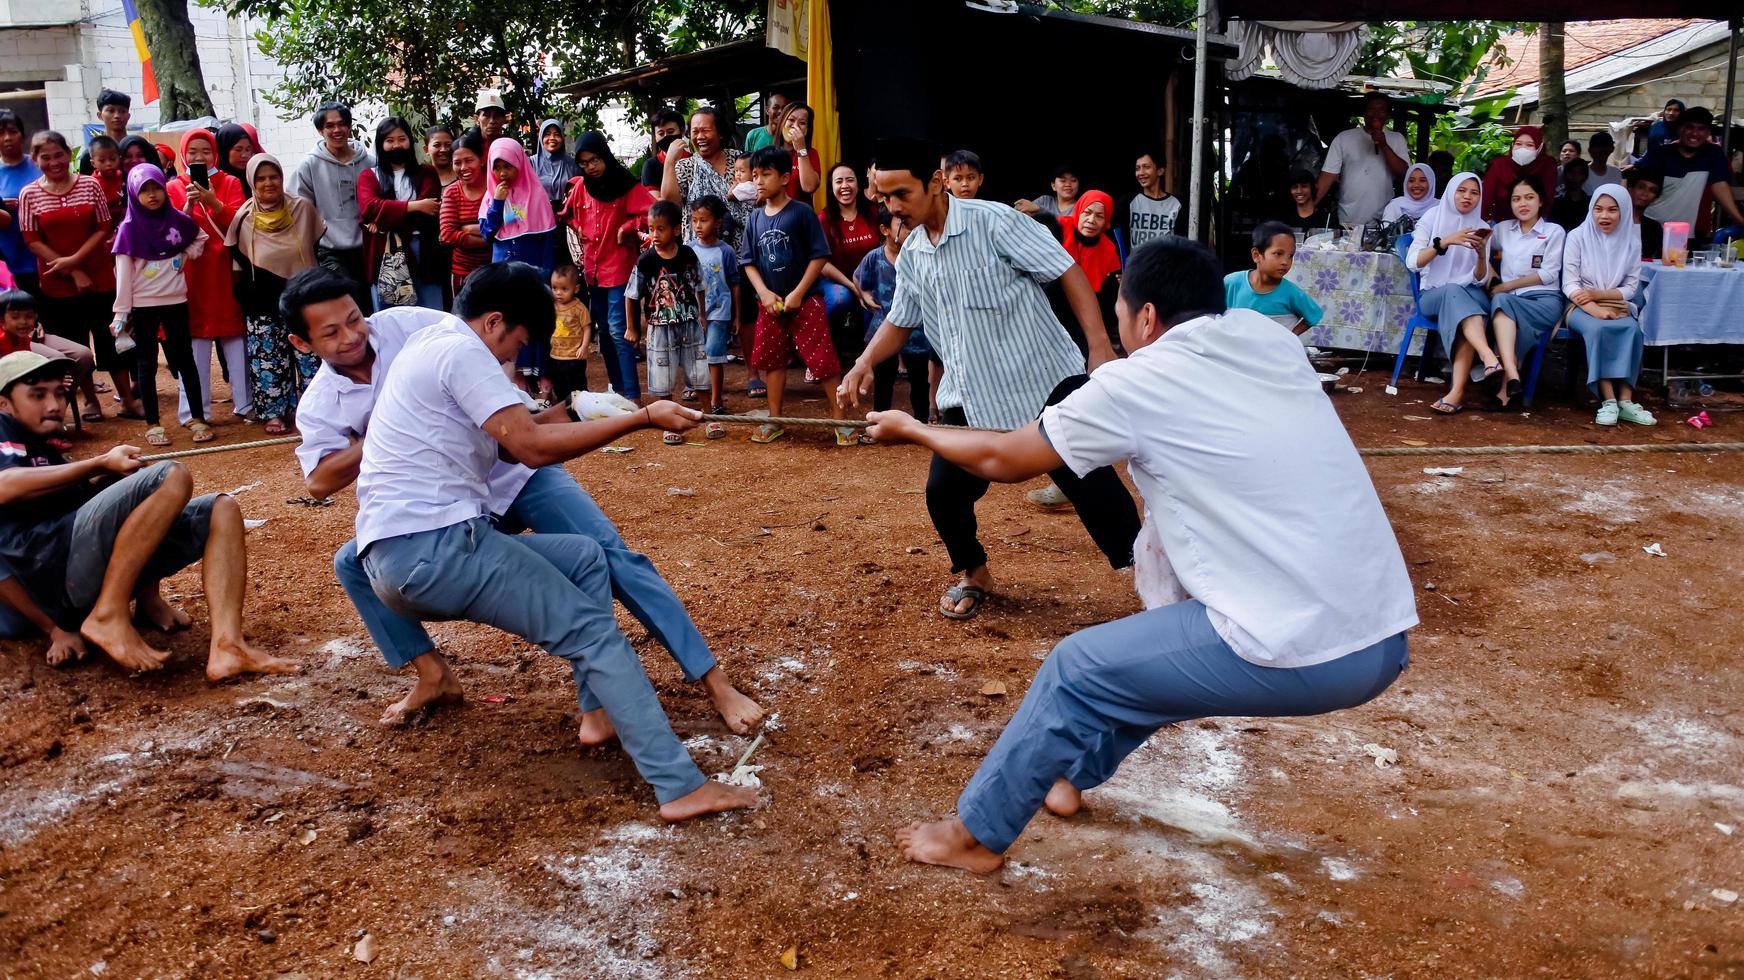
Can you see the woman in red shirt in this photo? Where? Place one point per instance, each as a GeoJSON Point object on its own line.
{"type": "Point", "coordinates": [214, 315]}
{"type": "Point", "coordinates": [65, 221]}
{"type": "Point", "coordinates": [399, 199]}
{"type": "Point", "coordinates": [852, 232]}
{"type": "Point", "coordinates": [608, 208]}
{"type": "Point", "coordinates": [802, 180]}
{"type": "Point", "coordinates": [458, 224]}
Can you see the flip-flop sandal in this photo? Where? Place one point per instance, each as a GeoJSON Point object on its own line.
{"type": "Point", "coordinates": [714, 430]}
{"type": "Point", "coordinates": [767, 433]}
{"type": "Point", "coordinates": [1491, 370]}
{"type": "Point", "coordinates": [672, 439]}
{"type": "Point", "coordinates": [202, 432]}
{"type": "Point", "coordinates": [1443, 407]}
{"type": "Point", "coordinates": [92, 415]}
{"type": "Point", "coordinates": [102, 387]}
{"type": "Point", "coordinates": [275, 427]}
{"type": "Point", "coordinates": [957, 593]}
{"type": "Point", "coordinates": [130, 415]}
{"type": "Point", "coordinates": [757, 391]}
{"type": "Point", "coordinates": [717, 409]}
{"type": "Point", "coordinates": [155, 436]}
{"type": "Point", "coordinates": [689, 395]}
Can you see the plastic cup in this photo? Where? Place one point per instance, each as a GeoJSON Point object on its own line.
{"type": "Point", "coordinates": [1677, 243]}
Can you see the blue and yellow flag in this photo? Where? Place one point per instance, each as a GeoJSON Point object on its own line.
{"type": "Point", "coordinates": [135, 28]}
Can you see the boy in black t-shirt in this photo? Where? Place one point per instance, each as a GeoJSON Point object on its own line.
{"type": "Point", "coordinates": [668, 295]}
{"type": "Point", "coordinates": [81, 541]}
{"type": "Point", "coordinates": [783, 255]}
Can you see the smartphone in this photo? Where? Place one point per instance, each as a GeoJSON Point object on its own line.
{"type": "Point", "coordinates": [198, 174]}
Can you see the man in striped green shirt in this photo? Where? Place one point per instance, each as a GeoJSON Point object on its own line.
{"type": "Point", "coordinates": [972, 274]}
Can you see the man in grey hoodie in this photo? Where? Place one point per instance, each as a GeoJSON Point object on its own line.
{"type": "Point", "coordinates": [327, 178]}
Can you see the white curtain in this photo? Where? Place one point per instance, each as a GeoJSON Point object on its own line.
{"type": "Point", "coordinates": [1308, 53]}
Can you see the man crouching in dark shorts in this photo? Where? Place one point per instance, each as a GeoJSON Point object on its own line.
{"type": "Point", "coordinates": [81, 542]}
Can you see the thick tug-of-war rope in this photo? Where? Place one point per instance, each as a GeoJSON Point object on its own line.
{"type": "Point", "coordinates": [1584, 449]}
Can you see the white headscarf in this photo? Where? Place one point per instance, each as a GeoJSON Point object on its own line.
{"type": "Point", "coordinates": [1460, 264]}
{"type": "Point", "coordinates": [1414, 208]}
{"type": "Point", "coordinates": [1607, 260]}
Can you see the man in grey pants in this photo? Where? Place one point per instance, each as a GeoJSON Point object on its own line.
{"type": "Point", "coordinates": [444, 416]}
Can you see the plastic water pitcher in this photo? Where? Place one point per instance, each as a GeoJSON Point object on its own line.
{"type": "Point", "coordinates": [1676, 243]}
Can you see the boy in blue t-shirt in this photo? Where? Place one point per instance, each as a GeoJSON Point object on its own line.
{"type": "Point", "coordinates": [720, 277]}
{"type": "Point", "coordinates": [876, 277]}
{"type": "Point", "coordinates": [1264, 288]}
{"type": "Point", "coordinates": [783, 255]}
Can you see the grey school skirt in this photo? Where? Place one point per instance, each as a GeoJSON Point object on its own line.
{"type": "Point", "coordinates": [1535, 312]}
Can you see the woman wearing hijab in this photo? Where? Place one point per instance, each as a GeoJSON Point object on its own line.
{"type": "Point", "coordinates": [155, 248]}
{"type": "Point", "coordinates": [1527, 157]}
{"type": "Point", "coordinates": [1601, 276]}
{"type": "Point", "coordinates": [1094, 251]}
{"type": "Point", "coordinates": [136, 150]}
{"type": "Point", "coordinates": [214, 316]}
{"type": "Point", "coordinates": [517, 219]}
{"type": "Point", "coordinates": [1418, 198]}
{"type": "Point", "coordinates": [555, 167]}
{"type": "Point", "coordinates": [272, 239]}
{"type": "Point", "coordinates": [608, 209]}
{"type": "Point", "coordinates": [515, 216]}
{"type": "Point", "coordinates": [235, 149]}
{"type": "Point", "coordinates": [399, 201]}
{"type": "Point", "coordinates": [1526, 298]}
{"type": "Point", "coordinates": [1450, 252]}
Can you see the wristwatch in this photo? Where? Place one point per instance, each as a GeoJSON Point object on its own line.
{"type": "Point", "coordinates": [1440, 249]}
{"type": "Point", "coordinates": [805, 153]}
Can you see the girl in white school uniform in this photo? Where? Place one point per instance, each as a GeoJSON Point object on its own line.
{"type": "Point", "coordinates": [1526, 299]}
{"type": "Point", "coordinates": [1450, 252]}
{"type": "Point", "coordinates": [1601, 275]}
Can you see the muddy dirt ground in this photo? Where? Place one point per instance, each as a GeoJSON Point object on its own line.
{"type": "Point", "coordinates": [1567, 800]}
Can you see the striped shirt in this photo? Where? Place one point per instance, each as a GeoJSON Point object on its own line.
{"type": "Point", "coordinates": [979, 292]}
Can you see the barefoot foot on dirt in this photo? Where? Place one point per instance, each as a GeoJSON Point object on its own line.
{"type": "Point", "coordinates": [596, 728]}
{"type": "Point", "coordinates": [424, 694]}
{"type": "Point", "coordinates": [64, 648]}
{"type": "Point", "coordinates": [152, 609]}
{"type": "Point", "coordinates": [122, 643]}
{"type": "Point", "coordinates": [949, 844]}
{"type": "Point", "coordinates": [231, 658]}
{"type": "Point", "coordinates": [710, 797]}
{"type": "Point", "coordinates": [1063, 799]}
{"type": "Point", "coordinates": [739, 712]}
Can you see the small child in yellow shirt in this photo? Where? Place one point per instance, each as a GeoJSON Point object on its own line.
{"type": "Point", "coordinates": [567, 368]}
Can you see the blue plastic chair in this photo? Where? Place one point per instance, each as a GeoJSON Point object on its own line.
{"type": "Point", "coordinates": [1417, 320]}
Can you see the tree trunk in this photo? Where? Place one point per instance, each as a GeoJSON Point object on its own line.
{"type": "Point", "coordinates": [1552, 90]}
{"type": "Point", "coordinates": [175, 59]}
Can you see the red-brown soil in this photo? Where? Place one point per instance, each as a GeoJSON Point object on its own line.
{"type": "Point", "coordinates": [1566, 802]}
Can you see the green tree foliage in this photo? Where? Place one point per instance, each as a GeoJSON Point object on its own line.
{"type": "Point", "coordinates": [428, 60]}
{"type": "Point", "coordinates": [1171, 13]}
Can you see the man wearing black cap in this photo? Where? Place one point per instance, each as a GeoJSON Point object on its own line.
{"type": "Point", "coordinates": [80, 542]}
{"type": "Point", "coordinates": [1696, 176]}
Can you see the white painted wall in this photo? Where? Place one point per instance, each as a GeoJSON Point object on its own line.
{"type": "Point", "coordinates": [78, 61]}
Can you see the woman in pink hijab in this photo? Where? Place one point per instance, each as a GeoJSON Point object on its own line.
{"type": "Point", "coordinates": [516, 216]}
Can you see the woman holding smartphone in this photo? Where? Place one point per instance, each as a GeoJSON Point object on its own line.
{"type": "Point", "coordinates": [1450, 253]}
{"type": "Point", "coordinates": [211, 197]}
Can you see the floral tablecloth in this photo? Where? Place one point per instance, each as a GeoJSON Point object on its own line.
{"type": "Point", "coordinates": [1366, 297]}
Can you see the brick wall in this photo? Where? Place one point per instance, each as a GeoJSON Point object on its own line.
{"type": "Point", "coordinates": [1704, 84]}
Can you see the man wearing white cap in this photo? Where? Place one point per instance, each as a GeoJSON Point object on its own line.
{"type": "Point", "coordinates": [490, 115]}
{"type": "Point", "coordinates": [80, 542]}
